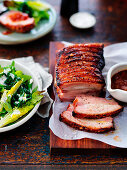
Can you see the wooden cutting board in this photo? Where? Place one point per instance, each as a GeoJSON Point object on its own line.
{"type": "Point", "coordinates": [58, 145]}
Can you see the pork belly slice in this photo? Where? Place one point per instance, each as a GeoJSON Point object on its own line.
{"type": "Point", "coordinates": [78, 55]}
{"type": "Point", "coordinates": [78, 58]}
{"type": "Point", "coordinates": [79, 64]}
{"type": "Point", "coordinates": [80, 83]}
{"type": "Point", "coordinates": [77, 69]}
{"type": "Point", "coordinates": [71, 95]}
{"type": "Point", "coordinates": [82, 73]}
{"type": "Point", "coordinates": [91, 125]}
{"type": "Point", "coordinates": [95, 107]}
{"type": "Point", "coordinates": [94, 48]}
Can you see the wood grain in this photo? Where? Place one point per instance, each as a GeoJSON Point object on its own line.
{"type": "Point", "coordinates": [56, 142]}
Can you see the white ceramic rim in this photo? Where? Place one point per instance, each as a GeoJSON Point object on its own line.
{"type": "Point", "coordinates": [85, 27]}
{"type": "Point", "coordinates": [109, 77]}
{"type": "Point", "coordinates": [38, 35]}
{"type": "Point", "coordinates": [33, 111]}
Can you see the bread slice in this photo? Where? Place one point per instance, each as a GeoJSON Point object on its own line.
{"type": "Point", "coordinates": [95, 107]}
{"type": "Point", "coordinates": [91, 125]}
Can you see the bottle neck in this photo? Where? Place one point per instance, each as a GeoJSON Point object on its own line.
{"type": "Point", "coordinates": [68, 7]}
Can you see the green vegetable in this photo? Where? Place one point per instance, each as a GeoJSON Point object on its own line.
{"type": "Point", "coordinates": [35, 9]}
{"type": "Point", "coordinates": [8, 95]}
{"type": "Point", "coordinates": [16, 95]}
{"type": "Point", "coordinates": [3, 100]}
{"type": "Point", "coordinates": [7, 107]}
{"type": "Point", "coordinates": [11, 117]}
{"type": "Point", "coordinates": [22, 76]}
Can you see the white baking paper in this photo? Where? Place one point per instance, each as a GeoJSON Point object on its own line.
{"type": "Point", "coordinates": [113, 54]}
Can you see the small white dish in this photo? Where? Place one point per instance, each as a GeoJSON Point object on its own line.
{"type": "Point", "coordinates": [43, 28]}
{"type": "Point", "coordinates": [25, 70]}
{"type": "Point", "coordinates": [118, 94]}
{"type": "Point", "coordinates": [82, 20]}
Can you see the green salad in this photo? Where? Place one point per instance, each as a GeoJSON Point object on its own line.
{"type": "Point", "coordinates": [36, 9]}
{"type": "Point", "coordinates": [16, 95]}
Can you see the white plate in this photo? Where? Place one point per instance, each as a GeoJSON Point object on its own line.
{"type": "Point", "coordinates": [24, 69]}
{"type": "Point", "coordinates": [43, 28]}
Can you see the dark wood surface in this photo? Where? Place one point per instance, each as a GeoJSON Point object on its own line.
{"type": "Point", "coordinates": [29, 144]}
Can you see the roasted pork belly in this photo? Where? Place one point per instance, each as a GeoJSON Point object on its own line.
{"type": "Point", "coordinates": [95, 107]}
{"type": "Point", "coordinates": [91, 125]}
{"type": "Point", "coordinates": [78, 70]}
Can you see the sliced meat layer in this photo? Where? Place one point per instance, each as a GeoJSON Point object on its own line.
{"type": "Point", "coordinates": [95, 107]}
{"type": "Point", "coordinates": [71, 95]}
{"type": "Point", "coordinates": [91, 125]}
{"type": "Point", "coordinates": [77, 69]}
{"type": "Point", "coordinates": [76, 76]}
{"type": "Point", "coordinates": [79, 64]}
{"type": "Point", "coordinates": [94, 48]}
{"type": "Point", "coordinates": [84, 82]}
{"type": "Point", "coordinates": [17, 21]}
{"type": "Point", "coordinates": [80, 58]}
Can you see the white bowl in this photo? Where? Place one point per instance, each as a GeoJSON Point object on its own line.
{"type": "Point", "coordinates": [82, 20]}
{"type": "Point", "coordinates": [118, 94]}
{"type": "Point", "coordinates": [24, 69]}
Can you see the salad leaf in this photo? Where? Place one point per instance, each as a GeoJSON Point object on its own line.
{"type": "Point", "coordinates": [14, 88]}
{"type": "Point", "coordinates": [22, 76]}
{"type": "Point", "coordinates": [3, 100]}
{"type": "Point", "coordinates": [7, 107]}
{"type": "Point", "coordinates": [35, 89]}
{"type": "Point", "coordinates": [11, 117]}
{"type": "Point", "coordinates": [7, 95]}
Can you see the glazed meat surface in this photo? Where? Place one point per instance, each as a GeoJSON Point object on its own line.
{"type": "Point", "coordinates": [91, 125]}
{"type": "Point", "coordinates": [17, 21]}
{"type": "Point", "coordinates": [95, 107]}
{"type": "Point", "coordinates": [79, 70]}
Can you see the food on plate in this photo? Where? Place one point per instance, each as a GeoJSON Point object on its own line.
{"type": "Point", "coordinates": [16, 95]}
{"type": "Point", "coordinates": [35, 9]}
{"type": "Point", "coordinates": [119, 80]}
{"type": "Point", "coordinates": [78, 71]}
{"type": "Point", "coordinates": [95, 107]}
{"type": "Point", "coordinates": [23, 15]}
{"type": "Point", "coordinates": [78, 77]}
{"type": "Point", "coordinates": [17, 21]}
{"type": "Point", "coordinates": [91, 125]}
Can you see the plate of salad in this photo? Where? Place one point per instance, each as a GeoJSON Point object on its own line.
{"type": "Point", "coordinates": [22, 21]}
{"type": "Point", "coordinates": [20, 94]}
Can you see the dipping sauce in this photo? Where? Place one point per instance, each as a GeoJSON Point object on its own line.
{"type": "Point", "coordinates": [119, 80]}
{"type": "Point", "coordinates": [7, 32]}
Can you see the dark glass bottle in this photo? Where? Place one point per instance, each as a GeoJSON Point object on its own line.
{"type": "Point", "coordinates": [68, 7]}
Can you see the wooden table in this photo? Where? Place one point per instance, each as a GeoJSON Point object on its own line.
{"type": "Point", "coordinates": [28, 145]}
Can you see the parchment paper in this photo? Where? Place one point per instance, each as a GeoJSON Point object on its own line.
{"type": "Point", "coordinates": [113, 54]}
